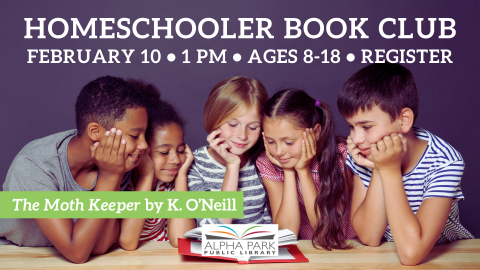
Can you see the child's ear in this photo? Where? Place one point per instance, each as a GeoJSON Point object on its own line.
{"type": "Point", "coordinates": [317, 129]}
{"type": "Point", "coordinates": [406, 119]}
{"type": "Point", "coordinates": [95, 131]}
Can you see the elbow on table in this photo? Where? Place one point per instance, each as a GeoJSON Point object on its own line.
{"type": "Point", "coordinates": [370, 241]}
{"type": "Point", "coordinates": [128, 245]}
{"type": "Point", "coordinates": [410, 256]}
{"type": "Point", "coordinates": [78, 258]}
{"type": "Point", "coordinates": [174, 242]}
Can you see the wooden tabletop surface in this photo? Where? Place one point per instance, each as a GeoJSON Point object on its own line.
{"type": "Point", "coordinates": [463, 254]}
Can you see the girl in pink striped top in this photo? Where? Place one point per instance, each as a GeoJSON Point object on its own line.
{"type": "Point", "coordinates": [303, 169]}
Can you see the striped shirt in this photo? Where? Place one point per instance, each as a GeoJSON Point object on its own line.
{"type": "Point", "coordinates": [272, 172]}
{"type": "Point", "coordinates": [155, 229]}
{"type": "Point", "coordinates": [437, 174]}
{"type": "Point", "coordinates": [206, 174]}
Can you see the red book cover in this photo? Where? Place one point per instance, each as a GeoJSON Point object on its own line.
{"type": "Point", "coordinates": [288, 253]}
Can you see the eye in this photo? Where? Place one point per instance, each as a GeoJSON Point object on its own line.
{"type": "Point", "coordinates": [253, 128]}
{"type": "Point", "coordinates": [181, 151]}
{"type": "Point", "coordinates": [288, 143]}
{"type": "Point", "coordinates": [367, 127]}
{"type": "Point", "coordinates": [233, 125]}
{"type": "Point", "coordinates": [135, 137]}
{"type": "Point", "coordinates": [164, 153]}
{"type": "Point", "coordinates": [270, 142]}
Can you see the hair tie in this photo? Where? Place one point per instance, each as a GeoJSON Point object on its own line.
{"type": "Point", "coordinates": [317, 103]}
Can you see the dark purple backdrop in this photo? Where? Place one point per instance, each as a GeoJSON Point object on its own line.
{"type": "Point", "coordinates": [38, 99]}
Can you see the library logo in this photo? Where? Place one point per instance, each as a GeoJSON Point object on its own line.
{"type": "Point", "coordinates": [240, 240]}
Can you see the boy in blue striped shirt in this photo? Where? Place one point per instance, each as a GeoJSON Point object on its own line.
{"type": "Point", "coordinates": [407, 180]}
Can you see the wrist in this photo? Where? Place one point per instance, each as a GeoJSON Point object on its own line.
{"type": "Point", "coordinates": [302, 171]}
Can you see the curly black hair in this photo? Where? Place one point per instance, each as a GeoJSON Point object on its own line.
{"type": "Point", "coordinates": [105, 101]}
{"type": "Point", "coordinates": [160, 112]}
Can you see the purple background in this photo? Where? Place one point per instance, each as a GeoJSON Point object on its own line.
{"type": "Point", "coordinates": [38, 99]}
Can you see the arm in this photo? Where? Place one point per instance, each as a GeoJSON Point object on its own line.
{"type": "Point", "coordinates": [275, 195]}
{"type": "Point", "coordinates": [230, 180]}
{"type": "Point", "coordinates": [414, 235]}
{"type": "Point", "coordinates": [177, 227]}
{"type": "Point", "coordinates": [76, 241]}
{"type": "Point", "coordinates": [369, 217]}
{"type": "Point", "coordinates": [307, 184]}
{"type": "Point", "coordinates": [288, 216]}
{"type": "Point", "coordinates": [131, 228]}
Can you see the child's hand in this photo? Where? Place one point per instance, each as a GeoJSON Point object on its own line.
{"type": "Point", "coordinates": [188, 161]}
{"type": "Point", "coordinates": [219, 145]}
{"type": "Point", "coordinates": [109, 153]}
{"type": "Point", "coordinates": [309, 150]}
{"type": "Point", "coordinates": [357, 156]}
{"type": "Point", "coordinates": [145, 168]}
{"type": "Point", "coordinates": [269, 156]}
{"type": "Point", "coordinates": [388, 152]}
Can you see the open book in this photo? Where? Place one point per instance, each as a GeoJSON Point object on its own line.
{"type": "Point", "coordinates": [287, 251]}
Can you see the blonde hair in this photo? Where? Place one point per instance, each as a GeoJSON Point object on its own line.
{"type": "Point", "coordinates": [230, 94]}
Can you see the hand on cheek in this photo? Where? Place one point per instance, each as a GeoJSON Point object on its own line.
{"type": "Point", "coordinates": [388, 152]}
{"type": "Point", "coordinates": [221, 147]}
{"type": "Point", "coordinates": [188, 160]}
{"type": "Point", "coordinates": [357, 156]}
{"type": "Point", "coordinates": [109, 153]}
{"type": "Point", "coordinates": [309, 150]}
{"type": "Point", "coordinates": [267, 152]}
{"type": "Point", "coordinates": [146, 168]}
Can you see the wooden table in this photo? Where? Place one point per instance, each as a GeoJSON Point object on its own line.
{"type": "Point", "coordinates": [463, 254]}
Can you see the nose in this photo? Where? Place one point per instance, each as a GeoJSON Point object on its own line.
{"type": "Point", "coordinates": [242, 134]}
{"type": "Point", "coordinates": [357, 137]}
{"type": "Point", "coordinates": [142, 143]}
{"type": "Point", "coordinates": [280, 151]}
{"type": "Point", "coordinates": [174, 158]}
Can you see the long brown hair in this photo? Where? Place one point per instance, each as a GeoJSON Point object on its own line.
{"type": "Point", "coordinates": [333, 198]}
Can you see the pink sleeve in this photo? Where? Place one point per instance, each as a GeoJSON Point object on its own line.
{"type": "Point", "coordinates": [342, 149]}
{"type": "Point", "coordinates": [267, 169]}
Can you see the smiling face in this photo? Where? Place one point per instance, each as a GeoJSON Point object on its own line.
{"type": "Point", "coordinates": [167, 151]}
{"type": "Point", "coordinates": [368, 127]}
{"type": "Point", "coordinates": [242, 130]}
{"type": "Point", "coordinates": [284, 141]}
{"type": "Point", "coordinates": [133, 125]}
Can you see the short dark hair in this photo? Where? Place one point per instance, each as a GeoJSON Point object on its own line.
{"type": "Point", "coordinates": [160, 112]}
{"type": "Point", "coordinates": [389, 86]}
{"type": "Point", "coordinates": [105, 101]}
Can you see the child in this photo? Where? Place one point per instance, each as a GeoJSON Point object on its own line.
{"type": "Point", "coordinates": [407, 180]}
{"type": "Point", "coordinates": [163, 169]}
{"type": "Point", "coordinates": [303, 169]}
{"type": "Point", "coordinates": [232, 119]}
{"type": "Point", "coordinates": [111, 118]}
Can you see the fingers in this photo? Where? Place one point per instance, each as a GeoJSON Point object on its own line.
{"type": "Point", "coordinates": [107, 150]}
{"type": "Point", "coordinates": [213, 135]}
{"type": "Point", "coordinates": [93, 148]}
{"type": "Point", "coordinates": [404, 143]}
{"type": "Point", "coordinates": [312, 142]}
{"type": "Point", "coordinates": [187, 149]}
{"type": "Point", "coordinates": [101, 146]}
{"type": "Point", "coordinates": [116, 142]}
{"type": "Point", "coordinates": [121, 150]}
{"type": "Point", "coordinates": [216, 142]}
{"type": "Point", "coordinates": [265, 143]}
